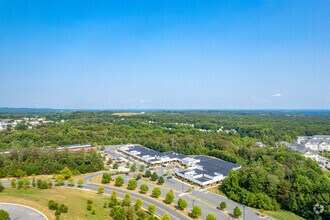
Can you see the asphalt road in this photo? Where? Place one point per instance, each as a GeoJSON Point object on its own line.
{"type": "Point", "coordinates": [17, 212]}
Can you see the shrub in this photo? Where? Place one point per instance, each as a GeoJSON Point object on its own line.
{"type": "Point", "coordinates": [89, 201]}
{"type": "Point", "coordinates": [80, 183]}
{"type": "Point", "coordinates": [4, 215]}
{"type": "Point", "coordinates": [100, 190]}
{"type": "Point", "coordinates": [13, 182]}
{"type": "Point", "coordinates": [57, 213]}
{"type": "Point", "coordinates": [20, 183]}
{"type": "Point", "coordinates": [70, 181]}
{"type": "Point", "coordinates": [44, 184]}
{"type": "Point", "coordinates": [52, 205]}
{"type": "Point", "coordinates": [63, 208]}
{"type": "Point", "coordinates": [1, 187]}
{"type": "Point", "coordinates": [89, 207]}
{"type": "Point", "coordinates": [66, 172]}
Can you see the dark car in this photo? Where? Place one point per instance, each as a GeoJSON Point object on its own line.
{"type": "Point", "coordinates": [169, 177]}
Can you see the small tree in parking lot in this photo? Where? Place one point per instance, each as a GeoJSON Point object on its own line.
{"type": "Point", "coordinates": [169, 198]}
{"type": "Point", "coordinates": [133, 167]}
{"type": "Point", "coordinates": [165, 217]}
{"type": "Point", "coordinates": [132, 184]}
{"type": "Point", "coordinates": [154, 176]}
{"type": "Point", "coordinates": [161, 180]}
{"type": "Point", "coordinates": [127, 200]}
{"type": "Point", "coordinates": [106, 178]}
{"type": "Point", "coordinates": [156, 192]}
{"type": "Point", "coordinates": [119, 181]}
{"type": "Point", "coordinates": [211, 217]}
{"type": "Point", "coordinates": [147, 174]}
{"type": "Point", "coordinates": [115, 165]}
{"type": "Point", "coordinates": [138, 204]}
{"type": "Point", "coordinates": [144, 188]}
{"type": "Point", "coordinates": [128, 164]}
{"type": "Point", "coordinates": [142, 168]}
{"type": "Point", "coordinates": [237, 212]}
{"type": "Point", "coordinates": [182, 204]}
{"type": "Point", "coordinates": [223, 205]}
{"type": "Point", "coordinates": [109, 161]}
{"type": "Point", "coordinates": [196, 212]}
{"type": "Point", "coordinates": [152, 209]}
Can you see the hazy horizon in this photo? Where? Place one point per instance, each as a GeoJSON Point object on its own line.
{"type": "Point", "coordinates": [203, 55]}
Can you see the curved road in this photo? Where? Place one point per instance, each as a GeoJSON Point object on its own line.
{"type": "Point", "coordinates": [17, 211]}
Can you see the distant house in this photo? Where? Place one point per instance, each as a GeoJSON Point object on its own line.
{"type": "Point", "coordinates": [259, 144]}
{"type": "Point", "coordinates": [316, 142]}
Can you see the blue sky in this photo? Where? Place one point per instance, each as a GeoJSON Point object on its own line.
{"type": "Point", "coordinates": [271, 54]}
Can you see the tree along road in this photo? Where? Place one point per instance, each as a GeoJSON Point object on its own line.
{"type": "Point", "coordinates": [161, 207]}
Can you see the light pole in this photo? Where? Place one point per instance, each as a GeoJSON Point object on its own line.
{"type": "Point", "coordinates": [244, 212]}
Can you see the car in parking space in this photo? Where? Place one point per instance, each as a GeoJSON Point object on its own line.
{"type": "Point", "coordinates": [165, 174]}
{"type": "Point", "coordinates": [169, 177]}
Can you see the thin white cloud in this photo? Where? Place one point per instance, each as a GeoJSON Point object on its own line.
{"type": "Point", "coordinates": [277, 95]}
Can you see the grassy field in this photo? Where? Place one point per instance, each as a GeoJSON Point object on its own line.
{"type": "Point", "coordinates": [74, 198]}
{"type": "Point", "coordinates": [126, 114]}
{"type": "Point", "coordinates": [283, 215]}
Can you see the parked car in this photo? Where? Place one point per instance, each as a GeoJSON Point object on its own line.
{"type": "Point", "coordinates": [169, 177]}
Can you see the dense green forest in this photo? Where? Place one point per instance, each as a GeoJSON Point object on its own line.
{"type": "Point", "coordinates": [29, 161]}
{"type": "Point", "coordinates": [272, 177]}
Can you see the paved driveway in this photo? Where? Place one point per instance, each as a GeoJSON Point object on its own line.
{"type": "Point", "coordinates": [17, 211]}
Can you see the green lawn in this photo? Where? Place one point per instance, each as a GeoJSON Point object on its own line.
{"type": "Point", "coordinates": [74, 198]}
{"type": "Point", "coordinates": [283, 215]}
